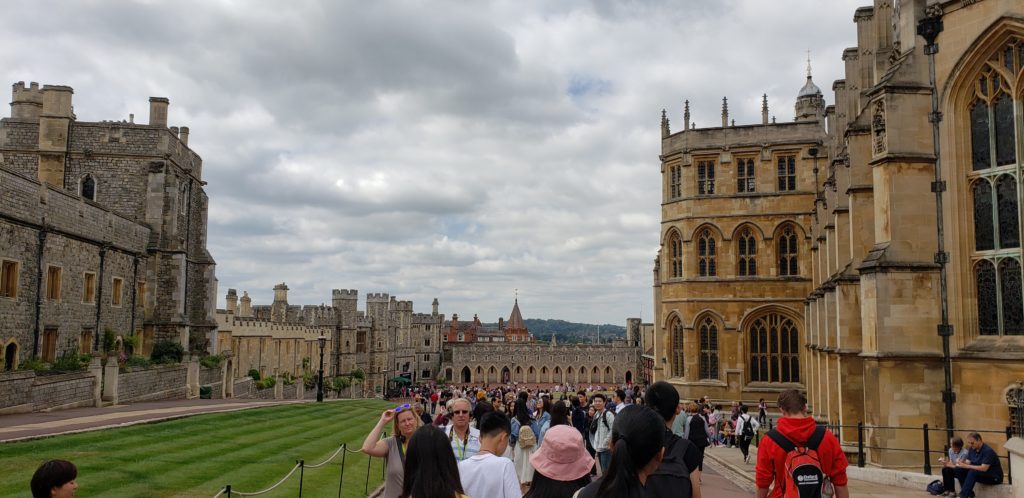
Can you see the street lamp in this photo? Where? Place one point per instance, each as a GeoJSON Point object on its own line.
{"type": "Point", "coordinates": [320, 377]}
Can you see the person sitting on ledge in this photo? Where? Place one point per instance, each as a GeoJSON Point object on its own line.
{"type": "Point", "coordinates": [982, 465]}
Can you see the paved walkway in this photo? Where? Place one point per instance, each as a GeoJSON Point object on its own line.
{"type": "Point", "coordinates": [43, 424]}
{"type": "Point", "coordinates": [730, 461]}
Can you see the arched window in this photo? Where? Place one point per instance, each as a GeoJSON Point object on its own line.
{"type": "Point", "coordinates": [747, 251]}
{"type": "Point", "coordinates": [706, 254]}
{"type": "Point", "coordinates": [1015, 401]}
{"type": "Point", "coordinates": [87, 187]}
{"type": "Point", "coordinates": [708, 359]}
{"type": "Point", "coordinates": [11, 357]}
{"type": "Point", "coordinates": [675, 255]}
{"type": "Point", "coordinates": [996, 200]}
{"type": "Point", "coordinates": [788, 252]}
{"type": "Point", "coordinates": [774, 350]}
{"type": "Point", "coordinates": [676, 329]}
{"type": "Point", "coordinates": [745, 176]}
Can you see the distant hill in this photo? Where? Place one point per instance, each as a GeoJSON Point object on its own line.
{"type": "Point", "coordinates": [570, 332]}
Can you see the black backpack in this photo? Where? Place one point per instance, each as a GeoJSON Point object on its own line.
{"type": "Point", "coordinates": [748, 428]}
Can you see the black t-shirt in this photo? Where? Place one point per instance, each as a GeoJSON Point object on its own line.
{"type": "Point", "coordinates": [672, 477]}
{"type": "Point", "coordinates": [986, 455]}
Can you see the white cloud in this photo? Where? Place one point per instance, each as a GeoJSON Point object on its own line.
{"type": "Point", "coordinates": [433, 149]}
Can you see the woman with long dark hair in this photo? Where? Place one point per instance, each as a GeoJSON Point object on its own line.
{"type": "Point", "coordinates": [637, 446]}
{"type": "Point", "coordinates": [524, 447]}
{"type": "Point", "coordinates": [430, 467]}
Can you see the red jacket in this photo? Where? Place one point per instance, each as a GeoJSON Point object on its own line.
{"type": "Point", "coordinates": [771, 461]}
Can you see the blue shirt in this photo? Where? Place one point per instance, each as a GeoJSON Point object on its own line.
{"type": "Point", "coordinates": [986, 455]}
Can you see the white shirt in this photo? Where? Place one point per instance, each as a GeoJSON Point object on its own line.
{"type": "Point", "coordinates": [463, 449]}
{"type": "Point", "coordinates": [742, 420]}
{"type": "Point", "coordinates": [489, 476]}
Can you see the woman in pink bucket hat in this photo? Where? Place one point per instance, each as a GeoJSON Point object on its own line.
{"type": "Point", "coordinates": [562, 464]}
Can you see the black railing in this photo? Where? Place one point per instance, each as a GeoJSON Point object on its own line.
{"type": "Point", "coordinates": [925, 449]}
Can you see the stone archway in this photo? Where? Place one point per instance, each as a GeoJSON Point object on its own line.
{"type": "Point", "coordinates": [467, 375]}
{"type": "Point", "coordinates": [506, 375]}
{"type": "Point", "coordinates": [609, 376]}
{"type": "Point", "coordinates": [595, 374]}
{"type": "Point", "coordinates": [629, 377]}
{"type": "Point", "coordinates": [529, 373]}
{"type": "Point", "coordinates": [492, 375]}
{"type": "Point", "coordinates": [10, 357]}
{"type": "Point", "coordinates": [448, 374]}
{"type": "Point", "coordinates": [544, 375]}
{"type": "Point", "coordinates": [519, 374]}
{"type": "Point", "coordinates": [568, 376]}
{"type": "Point", "coordinates": [558, 379]}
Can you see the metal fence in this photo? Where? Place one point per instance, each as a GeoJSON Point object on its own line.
{"type": "Point", "coordinates": [925, 450]}
{"type": "Point", "coordinates": [301, 467]}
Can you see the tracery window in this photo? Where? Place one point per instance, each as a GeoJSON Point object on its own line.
{"type": "Point", "coordinates": [787, 173]}
{"type": "Point", "coordinates": [774, 350]}
{"type": "Point", "coordinates": [788, 252]}
{"type": "Point", "coordinates": [706, 254]}
{"type": "Point", "coordinates": [747, 251]}
{"type": "Point", "coordinates": [745, 176]}
{"type": "Point", "coordinates": [705, 177]}
{"type": "Point", "coordinates": [708, 359]}
{"type": "Point", "coordinates": [677, 348]}
{"type": "Point", "coordinates": [675, 181]}
{"type": "Point", "coordinates": [675, 254]}
{"type": "Point", "coordinates": [995, 197]}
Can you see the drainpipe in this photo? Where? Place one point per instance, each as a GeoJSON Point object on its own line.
{"type": "Point", "coordinates": [929, 28]}
{"type": "Point", "coordinates": [99, 299]}
{"type": "Point", "coordinates": [39, 291]}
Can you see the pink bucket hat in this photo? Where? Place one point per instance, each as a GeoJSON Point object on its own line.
{"type": "Point", "coordinates": [562, 455]}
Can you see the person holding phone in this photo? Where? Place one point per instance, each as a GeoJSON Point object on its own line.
{"type": "Point", "coordinates": [393, 449]}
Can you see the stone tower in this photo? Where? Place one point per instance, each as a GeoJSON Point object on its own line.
{"type": "Point", "coordinates": [810, 103]}
{"type": "Point", "coordinates": [279, 310]}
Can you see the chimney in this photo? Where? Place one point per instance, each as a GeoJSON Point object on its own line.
{"type": "Point", "coordinates": [246, 308]}
{"type": "Point", "coordinates": [232, 300]}
{"type": "Point", "coordinates": [158, 111]}
{"type": "Point", "coordinates": [183, 135]}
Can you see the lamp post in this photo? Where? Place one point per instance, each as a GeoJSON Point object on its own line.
{"type": "Point", "coordinates": [320, 376]}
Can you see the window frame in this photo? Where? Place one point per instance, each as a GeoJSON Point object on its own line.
{"type": "Point", "coordinates": [786, 173]}
{"type": "Point", "coordinates": [746, 176]}
{"type": "Point", "coordinates": [88, 287]}
{"type": "Point", "coordinates": [708, 365]}
{"type": "Point", "coordinates": [54, 275]}
{"type": "Point", "coordinates": [707, 254]}
{"type": "Point", "coordinates": [10, 278]}
{"type": "Point", "coordinates": [746, 253]}
{"type": "Point", "coordinates": [706, 177]}
{"type": "Point", "coordinates": [789, 260]}
{"type": "Point", "coordinates": [116, 292]}
{"type": "Point", "coordinates": [774, 356]}
{"type": "Point", "coordinates": [675, 183]}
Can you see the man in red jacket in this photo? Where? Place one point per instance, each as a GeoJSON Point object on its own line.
{"type": "Point", "coordinates": [798, 427]}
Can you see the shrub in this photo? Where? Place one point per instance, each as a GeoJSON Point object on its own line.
{"type": "Point", "coordinates": [137, 362]}
{"type": "Point", "coordinates": [109, 340]}
{"type": "Point", "coordinates": [131, 343]}
{"type": "Point", "coordinates": [308, 380]}
{"type": "Point", "coordinates": [167, 352]}
{"type": "Point", "coordinates": [265, 383]}
{"type": "Point", "coordinates": [288, 378]}
{"type": "Point", "coordinates": [341, 383]}
{"type": "Point", "coordinates": [358, 374]}
{"type": "Point", "coordinates": [70, 361]}
{"type": "Point", "coordinates": [35, 364]}
{"type": "Point", "coordinates": [255, 374]}
{"type": "Point", "coordinates": [211, 361]}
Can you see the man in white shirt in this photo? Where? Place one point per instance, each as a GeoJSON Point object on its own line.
{"type": "Point", "coordinates": [465, 439]}
{"type": "Point", "coordinates": [487, 474]}
{"type": "Point", "coordinates": [746, 429]}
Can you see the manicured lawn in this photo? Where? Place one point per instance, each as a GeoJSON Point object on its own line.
{"type": "Point", "coordinates": [197, 456]}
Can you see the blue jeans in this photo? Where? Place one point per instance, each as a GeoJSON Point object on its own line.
{"type": "Point", "coordinates": [605, 459]}
{"type": "Point", "coordinates": [970, 477]}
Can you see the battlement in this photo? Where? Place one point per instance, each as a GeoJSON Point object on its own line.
{"type": "Point", "coordinates": [401, 305]}
{"type": "Point", "coordinates": [378, 297]}
{"type": "Point", "coordinates": [345, 293]}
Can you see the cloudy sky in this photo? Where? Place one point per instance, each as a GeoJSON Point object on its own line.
{"type": "Point", "coordinates": [458, 150]}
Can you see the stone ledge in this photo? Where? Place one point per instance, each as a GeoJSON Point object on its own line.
{"type": "Point", "coordinates": [914, 480]}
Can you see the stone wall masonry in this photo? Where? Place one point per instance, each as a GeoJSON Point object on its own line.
{"type": "Point", "coordinates": [244, 388]}
{"type": "Point", "coordinates": [289, 392]}
{"type": "Point", "coordinates": [159, 382]}
{"type": "Point", "coordinates": [209, 376]}
{"type": "Point", "coordinates": [16, 391]}
{"type": "Point", "coordinates": [62, 391]}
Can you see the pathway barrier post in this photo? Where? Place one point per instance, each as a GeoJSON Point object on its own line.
{"type": "Point", "coordinates": [341, 478]}
{"type": "Point", "coordinates": [860, 444]}
{"type": "Point", "coordinates": [302, 474]}
{"type": "Point", "coordinates": [927, 450]}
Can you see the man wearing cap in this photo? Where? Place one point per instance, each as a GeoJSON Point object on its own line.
{"type": "Point", "coordinates": [465, 439]}
{"type": "Point", "coordinates": [487, 474]}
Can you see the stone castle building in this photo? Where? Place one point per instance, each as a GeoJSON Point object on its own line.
{"type": "Point", "coordinates": [509, 354]}
{"type": "Point", "coordinates": [905, 306]}
{"type": "Point", "coordinates": [102, 226]}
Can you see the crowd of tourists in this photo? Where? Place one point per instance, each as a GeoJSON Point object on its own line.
{"type": "Point", "coordinates": [641, 441]}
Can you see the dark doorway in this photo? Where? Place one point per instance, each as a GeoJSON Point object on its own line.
{"type": "Point", "coordinates": [10, 357]}
{"type": "Point", "coordinates": [506, 375]}
{"type": "Point", "coordinates": [466, 375]}
{"type": "Point", "coordinates": [629, 377]}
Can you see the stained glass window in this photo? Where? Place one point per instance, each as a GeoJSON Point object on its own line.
{"type": "Point", "coordinates": [1013, 301]}
{"type": "Point", "coordinates": [980, 147]}
{"type": "Point", "coordinates": [788, 251]}
{"type": "Point", "coordinates": [988, 308]}
{"type": "Point", "coordinates": [1007, 216]}
{"type": "Point", "coordinates": [1003, 110]}
{"type": "Point", "coordinates": [708, 360]}
{"type": "Point", "coordinates": [984, 234]}
{"type": "Point", "coordinates": [774, 350]}
{"type": "Point", "coordinates": [747, 247]}
{"type": "Point", "coordinates": [677, 348]}
{"type": "Point", "coordinates": [675, 244]}
{"type": "Point", "coordinates": [706, 254]}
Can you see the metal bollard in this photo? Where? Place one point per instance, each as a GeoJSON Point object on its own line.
{"type": "Point", "coordinates": [302, 475]}
{"type": "Point", "coordinates": [228, 488]}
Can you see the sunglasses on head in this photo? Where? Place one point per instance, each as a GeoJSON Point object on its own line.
{"type": "Point", "coordinates": [399, 408]}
